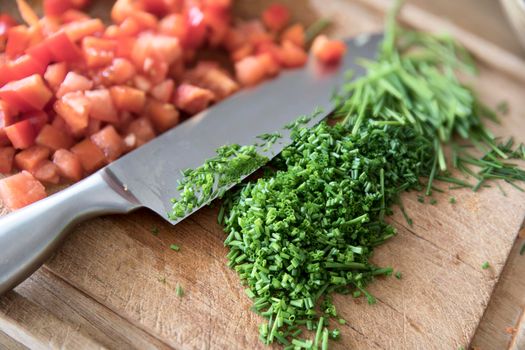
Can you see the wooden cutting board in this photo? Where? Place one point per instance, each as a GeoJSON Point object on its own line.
{"type": "Point", "coordinates": [113, 282]}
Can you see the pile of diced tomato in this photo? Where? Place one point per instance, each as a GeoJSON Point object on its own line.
{"type": "Point", "coordinates": [76, 94]}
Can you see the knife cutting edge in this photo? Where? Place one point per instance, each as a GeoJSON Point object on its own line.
{"type": "Point", "coordinates": [148, 176]}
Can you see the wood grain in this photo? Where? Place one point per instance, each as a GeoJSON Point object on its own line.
{"type": "Point", "coordinates": [112, 284]}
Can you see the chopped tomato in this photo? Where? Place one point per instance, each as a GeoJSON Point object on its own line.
{"type": "Point", "coordinates": [120, 71]}
{"type": "Point", "coordinates": [125, 47]}
{"type": "Point", "coordinates": [242, 52]}
{"type": "Point", "coordinates": [196, 28]}
{"type": "Point", "coordinates": [29, 159]}
{"type": "Point", "coordinates": [101, 105]}
{"type": "Point", "coordinates": [53, 138]}
{"type": "Point", "coordinates": [193, 99]}
{"type": "Point", "coordinates": [7, 155]}
{"type": "Point", "coordinates": [7, 115]}
{"type": "Point", "coordinates": [98, 52]}
{"type": "Point", "coordinates": [18, 39]}
{"type": "Point", "coordinates": [90, 156]}
{"type": "Point", "coordinates": [63, 49]}
{"type": "Point", "coordinates": [163, 115]}
{"type": "Point", "coordinates": [26, 94]}
{"type": "Point", "coordinates": [270, 64]}
{"type": "Point", "coordinates": [212, 78]}
{"type": "Point", "coordinates": [127, 98]}
{"type": "Point", "coordinates": [250, 71]}
{"type": "Point", "coordinates": [328, 51]}
{"type": "Point", "coordinates": [37, 119]}
{"type": "Point", "coordinates": [276, 17]}
{"type": "Point", "coordinates": [22, 67]}
{"type": "Point", "coordinates": [295, 34]}
{"type": "Point", "coordinates": [79, 29]}
{"type": "Point", "coordinates": [20, 190]}
{"type": "Point", "coordinates": [94, 126]}
{"type": "Point", "coordinates": [129, 27]}
{"type": "Point", "coordinates": [58, 7]}
{"type": "Point", "coordinates": [292, 56]}
{"type": "Point", "coordinates": [47, 171]}
{"type": "Point", "coordinates": [153, 50]}
{"type": "Point", "coordinates": [74, 82]}
{"type": "Point", "coordinates": [74, 108]}
{"type": "Point", "coordinates": [74, 16]}
{"type": "Point", "coordinates": [68, 164]}
{"type": "Point", "coordinates": [6, 22]}
{"type": "Point", "coordinates": [164, 90]}
{"type": "Point", "coordinates": [142, 128]}
{"type": "Point", "coordinates": [110, 142]}
{"type": "Point", "coordinates": [21, 134]}
{"type": "Point", "coordinates": [55, 75]}
{"type": "Point", "coordinates": [174, 25]}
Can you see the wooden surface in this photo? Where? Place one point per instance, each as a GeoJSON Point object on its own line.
{"type": "Point", "coordinates": [113, 282]}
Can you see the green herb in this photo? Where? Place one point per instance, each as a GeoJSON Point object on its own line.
{"type": "Point", "coordinates": [485, 265]}
{"type": "Point", "coordinates": [522, 249]}
{"type": "Point", "coordinates": [420, 198]}
{"type": "Point", "coordinates": [452, 200]}
{"type": "Point", "coordinates": [155, 230]}
{"type": "Point", "coordinates": [503, 107]}
{"type": "Point", "coordinates": [316, 28]}
{"type": "Point", "coordinates": [174, 247]}
{"type": "Point", "coordinates": [179, 291]}
{"type": "Point", "coordinates": [162, 279]}
{"type": "Point", "coordinates": [341, 321]}
{"type": "Point", "coordinates": [399, 275]}
{"type": "Point", "coordinates": [433, 201]}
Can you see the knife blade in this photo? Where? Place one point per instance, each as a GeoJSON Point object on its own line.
{"type": "Point", "coordinates": [151, 172]}
{"type": "Point", "coordinates": [147, 177]}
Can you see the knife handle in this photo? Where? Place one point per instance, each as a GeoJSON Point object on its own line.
{"type": "Point", "coordinates": [29, 235]}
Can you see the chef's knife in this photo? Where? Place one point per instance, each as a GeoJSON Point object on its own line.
{"type": "Point", "coordinates": [147, 177]}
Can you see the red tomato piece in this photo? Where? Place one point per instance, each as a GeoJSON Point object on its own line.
{"type": "Point", "coordinates": [56, 7]}
{"type": "Point", "coordinates": [41, 53]}
{"type": "Point", "coordinates": [270, 64]}
{"type": "Point", "coordinates": [18, 39]}
{"type": "Point", "coordinates": [142, 128]}
{"type": "Point", "coordinates": [72, 15]}
{"type": "Point", "coordinates": [22, 67]}
{"type": "Point", "coordinates": [250, 71]}
{"type": "Point", "coordinates": [47, 171]}
{"type": "Point", "coordinates": [79, 29]}
{"type": "Point", "coordinates": [328, 51]}
{"type": "Point", "coordinates": [164, 116]}
{"type": "Point", "coordinates": [101, 105]}
{"type": "Point", "coordinates": [63, 49]}
{"type": "Point", "coordinates": [74, 82]}
{"type": "Point", "coordinates": [193, 99]}
{"type": "Point", "coordinates": [129, 27]}
{"type": "Point", "coordinates": [175, 25]}
{"type": "Point", "coordinates": [120, 71]}
{"type": "Point", "coordinates": [196, 28]}
{"type": "Point", "coordinates": [7, 115]}
{"type": "Point", "coordinates": [26, 94]}
{"type": "Point", "coordinates": [6, 22]}
{"type": "Point", "coordinates": [74, 109]}
{"type": "Point", "coordinates": [94, 126]}
{"type": "Point", "coordinates": [292, 56]}
{"type": "Point", "coordinates": [68, 165]}
{"type": "Point", "coordinates": [155, 47]}
{"type": "Point", "coordinates": [242, 52]}
{"type": "Point", "coordinates": [53, 138]}
{"type": "Point", "coordinates": [55, 75]}
{"type": "Point", "coordinates": [98, 52]}
{"type": "Point", "coordinates": [7, 155]}
{"type": "Point", "coordinates": [90, 156]}
{"type": "Point", "coordinates": [212, 78]}
{"type": "Point", "coordinates": [294, 34]}
{"type": "Point", "coordinates": [37, 119]}
{"type": "Point", "coordinates": [29, 159]}
{"type": "Point", "coordinates": [109, 142]}
{"type": "Point", "coordinates": [125, 47]}
{"type": "Point", "coordinates": [164, 90]}
{"type": "Point", "coordinates": [21, 134]}
{"type": "Point", "coordinates": [20, 190]}
{"type": "Point", "coordinates": [128, 99]}
{"type": "Point", "coordinates": [276, 17]}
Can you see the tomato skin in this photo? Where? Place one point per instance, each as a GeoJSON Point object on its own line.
{"type": "Point", "coordinates": [63, 49]}
{"type": "Point", "coordinates": [109, 142]}
{"type": "Point", "coordinates": [276, 17]}
{"type": "Point", "coordinates": [53, 138]}
{"type": "Point", "coordinates": [18, 39]}
{"type": "Point", "coordinates": [295, 34]}
{"type": "Point", "coordinates": [21, 134]}
{"type": "Point", "coordinates": [20, 190]}
{"type": "Point", "coordinates": [68, 164]}
{"type": "Point", "coordinates": [26, 94]}
{"type": "Point", "coordinates": [196, 28]}
{"type": "Point", "coordinates": [30, 158]}
{"type": "Point", "coordinates": [89, 155]}
{"type": "Point", "coordinates": [7, 155]}
{"type": "Point", "coordinates": [328, 51]}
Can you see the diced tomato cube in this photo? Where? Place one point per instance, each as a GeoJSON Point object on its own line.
{"type": "Point", "coordinates": [41, 53]}
{"type": "Point", "coordinates": [18, 39]}
{"type": "Point", "coordinates": [196, 28]}
{"type": "Point", "coordinates": [212, 78]}
{"type": "Point", "coordinates": [155, 47]}
{"type": "Point", "coordinates": [174, 25]}
{"type": "Point", "coordinates": [292, 55]}
{"type": "Point", "coordinates": [4, 140]}
{"type": "Point", "coordinates": [7, 155]}
{"type": "Point", "coordinates": [98, 52]}
{"type": "Point", "coordinates": [276, 17]}
{"type": "Point", "coordinates": [250, 71]}
{"type": "Point", "coordinates": [56, 7]}
{"type": "Point", "coordinates": [294, 34]}
{"type": "Point", "coordinates": [74, 108]}
{"type": "Point", "coordinates": [142, 128]}
{"type": "Point", "coordinates": [26, 94]}
{"type": "Point", "coordinates": [161, 7]}
{"type": "Point", "coordinates": [127, 98]}
{"type": "Point", "coordinates": [193, 99]}
{"type": "Point", "coordinates": [7, 115]}
{"type": "Point", "coordinates": [142, 83]}
{"type": "Point", "coordinates": [164, 90]}
{"type": "Point", "coordinates": [22, 67]}
{"type": "Point", "coordinates": [29, 159]}
{"type": "Point", "coordinates": [22, 134]}
{"type": "Point", "coordinates": [47, 171]}
{"type": "Point", "coordinates": [101, 105]}
{"type": "Point", "coordinates": [68, 164]}
{"type": "Point", "coordinates": [53, 138]}
{"type": "Point", "coordinates": [121, 10]}
{"type": "Point", "coordinates": [90, 156]}
{"type": "Point", "coordinates": [120, 71]}
{"type": "Point", "coordinates": [328, 51]}
{"type": "Point", "coordinates": [74, 82]}
{"type": "Point", "coordinates": [94, 126]}
{"type": "Point", "coordinates": [20, 190]}
{"type": "Point", "coordinates": [242, 52]}
{"type": "Point", "coordinates": [164, 116]}
{"type": "Point", "coordinates": [55, 75]}
{"type": "Point", "coordinates": [125, 46]}
{"type": "Point", "coordinates": [72, 15]}
{"type": "Point", "coordinates": [62, 48]}
{"type": "Point", "coordinates": [6, 22]}
{"type": "Point", "coordinates": [37, 119]}
{"type": "Point", "coordinates": [110, 142]}
{"type": "Point", "coordinates": [80, 29]}
{"type": "Point", "coordinates": [268, 61]}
